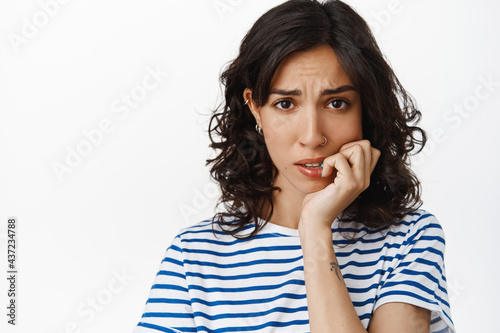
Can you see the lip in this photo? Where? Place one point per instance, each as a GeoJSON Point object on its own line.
{"type": "Point", "coordinates": [311, 160]}
{"type": "Point", "coordinates": [308, 172]}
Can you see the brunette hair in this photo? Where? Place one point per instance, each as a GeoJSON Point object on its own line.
{"type": "Point", "coordinates": [243, 167]}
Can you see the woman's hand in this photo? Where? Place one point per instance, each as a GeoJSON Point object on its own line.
{"type": "Point", "coordinates": [350, 170]}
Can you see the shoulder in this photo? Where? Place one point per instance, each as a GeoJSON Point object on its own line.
{"type": "Point", "coordinates": [408, 227]}
{"type": "Point", "coordinates": [210, 230]}
{"type": "Point", "coordinates": [199, 228]}
{"type": "Point", "coordinates": [419, 217]}
{"type": "Point", "coordinates": [420, 225]}
{"type": "Point", "coordinates": [415, 269]}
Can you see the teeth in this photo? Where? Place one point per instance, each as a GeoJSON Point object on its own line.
{"type": "Point", "coordinates": [313, 165]}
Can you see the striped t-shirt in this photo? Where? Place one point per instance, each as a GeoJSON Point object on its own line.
{"type": "Point", "coordinates": [222, 284]}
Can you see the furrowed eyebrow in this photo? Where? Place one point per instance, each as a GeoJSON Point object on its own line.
{"type": "Point", "coordinates": [337, 90]}
{"type": "Point", "coordinates": [297, 92]}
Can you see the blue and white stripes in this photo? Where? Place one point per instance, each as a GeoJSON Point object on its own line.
{"type": "Point", "coordinates": [221, 284]}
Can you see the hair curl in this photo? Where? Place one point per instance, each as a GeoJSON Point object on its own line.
{"type": "Point", "coordinates": [243, 167]}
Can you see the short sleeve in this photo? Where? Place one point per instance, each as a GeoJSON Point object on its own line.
{"type": "Point", "coordinates": [168, 308]}
{"type": "Point", "coordinates": [417, 273]}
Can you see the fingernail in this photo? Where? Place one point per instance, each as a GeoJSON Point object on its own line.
{"type": "Point", "coordinates": [321, 173]}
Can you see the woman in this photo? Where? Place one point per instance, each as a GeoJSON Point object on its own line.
{"type": "Point", "coordinates": [313, 140]}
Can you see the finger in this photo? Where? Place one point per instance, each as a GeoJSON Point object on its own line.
{"type": "Point", "coordinates": [337, 162]}
{"type": "Point", "coordinates": [375, 155]}
{"type": "Point", "coordinates": [366, 145]}
{"type": "Point", "coordinates": [355, 156]}
{"type": "Point", "coordinates": [371, 155]}
{"type": "Point", "coordinates": [367, 148]}
{"type": "Point", "coordinates": [357, 142]}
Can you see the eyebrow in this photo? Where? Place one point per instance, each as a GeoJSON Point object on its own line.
{"type": "Point", "coordinates": [297, 92]}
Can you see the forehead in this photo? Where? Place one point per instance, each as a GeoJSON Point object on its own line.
{"type": "Point", "coordinates": [320, 65]}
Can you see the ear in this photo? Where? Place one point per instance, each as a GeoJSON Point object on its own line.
{"type": "Point", "coordinates": [247, 96]}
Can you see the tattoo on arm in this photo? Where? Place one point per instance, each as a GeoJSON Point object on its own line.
{"type": "Point", "coordinates": [335, 266]}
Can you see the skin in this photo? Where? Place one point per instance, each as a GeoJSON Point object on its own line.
{"type": "Point", "coordinates": [294, 125]}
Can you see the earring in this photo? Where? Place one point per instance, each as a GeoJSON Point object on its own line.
{"type": "Point", "coordinates": [324, 143]}
{"type": "Point", "coordinates": [258, 129]}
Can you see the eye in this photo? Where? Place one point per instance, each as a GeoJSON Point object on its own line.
{"type": "Point", "coordinates": [339, 104]}
{"type": "Point", "coordinates": [283, 104]}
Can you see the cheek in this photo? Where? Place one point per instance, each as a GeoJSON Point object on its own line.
{"type": "Point", "coordinates": [355, 131]}
{"type": "Point", "coordinates": [346, 131]}
{"type": "Point", "coordinates": [279, 138]}
{"type": "Point", "coordinates": [278, 132]}
{"type": "Point", "coordinates": [276, 146]}
{"type": "Point", "coordinates": [277, 125]}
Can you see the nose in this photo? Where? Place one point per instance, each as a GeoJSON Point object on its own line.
{"type": "Point", "coordinates": [311, 129]}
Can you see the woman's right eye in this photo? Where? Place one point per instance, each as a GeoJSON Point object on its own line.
{"type": "Point", "coordinates": [283, 105]}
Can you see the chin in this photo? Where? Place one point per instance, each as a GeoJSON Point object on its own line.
{"type": "Point", "coordinates": [313, 186]}
{"type": "Point", "coordinates": [301, 183]}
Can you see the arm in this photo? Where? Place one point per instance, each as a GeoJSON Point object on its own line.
{"type": "Point", "coordinates": [329, 304]}
{"type": "Point", "coordinates": [400, 317]}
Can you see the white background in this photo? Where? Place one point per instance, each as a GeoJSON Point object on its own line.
{"type": "Point", "coordinates": [117, 209]}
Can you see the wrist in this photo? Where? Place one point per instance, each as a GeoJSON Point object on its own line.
{"type": "Point", "coordinates": [317, 218]}
{"type": "Point", "coordinates": [315, 228]}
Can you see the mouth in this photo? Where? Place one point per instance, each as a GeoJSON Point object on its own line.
{"type": "Point", "coordinates": [311, 167]}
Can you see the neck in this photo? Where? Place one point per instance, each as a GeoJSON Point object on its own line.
{"type": "Point", "coordinates": [287, 207]}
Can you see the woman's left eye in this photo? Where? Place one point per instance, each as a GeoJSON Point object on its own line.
{"type": "Point", "coordinates": [338, 104]}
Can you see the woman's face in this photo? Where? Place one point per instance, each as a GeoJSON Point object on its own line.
{"type": "Point", "coordinates": [311, 98]}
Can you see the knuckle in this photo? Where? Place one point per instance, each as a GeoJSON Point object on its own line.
{"type": "Point", "coordinates": [358, 147]}
{"type": "Point", "coordinates": [329, 161]}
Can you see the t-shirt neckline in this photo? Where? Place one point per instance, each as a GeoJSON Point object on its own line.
{"type": "Point", "coordinates": [276, 228]}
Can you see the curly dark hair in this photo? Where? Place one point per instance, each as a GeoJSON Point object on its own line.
{"type": "Point", "coordinates": [243, 167]}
